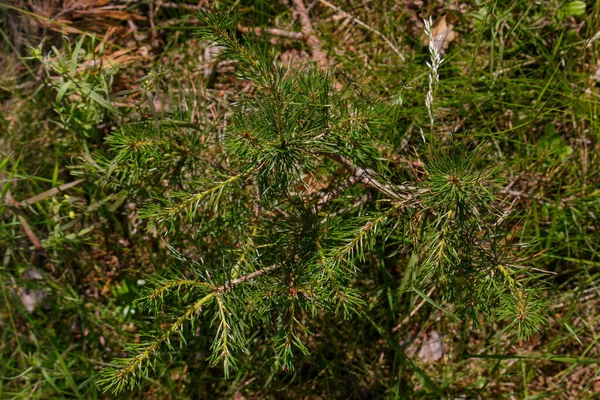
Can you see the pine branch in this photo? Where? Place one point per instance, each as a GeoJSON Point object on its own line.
{"type": "Point", "coordinates": [126, 374]}
{"type": "Point", "coordinates": [356, 243]}
{"type": "Point", "coordinates": [129, 370]}
{"type": "Point", "coordinates": [221, 347]}
{"type": "Point", "coordinates": [165, 214]}
{"type": "Point", "coordinates": [157, 295]}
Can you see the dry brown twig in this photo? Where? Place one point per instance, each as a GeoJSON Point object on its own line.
{"type": "Point", "coordinates": [189, 7]}
{"type": "Point", "coordinates": [272, 32]}
{"type": "Point", "coordinates": [230, 285]}
{"type": "Point", "coordinates": [366, 177]}
{"type": "Point", "coordinates": [153, 32]}
{"type": "Point", "coordinates": [16, 205]}
{"type": "Point", "coordinates": [318, 54]}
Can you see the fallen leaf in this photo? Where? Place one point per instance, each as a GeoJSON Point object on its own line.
{"type": "Point", "coordinates": [443, 33]}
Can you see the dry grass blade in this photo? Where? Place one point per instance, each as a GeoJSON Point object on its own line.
{"type": "Point", "coordinates": [8, 198]}
{"type": "Point", "coordinates": [49, 193]}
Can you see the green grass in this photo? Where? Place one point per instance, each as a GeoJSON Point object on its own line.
{"type": "Point", "coordinates": [517, 81]}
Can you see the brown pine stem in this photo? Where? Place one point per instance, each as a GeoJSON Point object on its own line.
{"type": "Point", "coordinates": [366, 177]}
{"type": "Point", "coordinates": [229, 285]}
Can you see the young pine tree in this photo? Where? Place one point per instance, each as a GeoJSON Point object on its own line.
{"type": "Point", "coordinates": [274, 220]}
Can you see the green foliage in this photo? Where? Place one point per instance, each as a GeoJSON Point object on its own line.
{"type": "Point", "coordinates": [297, 261]}
{"type": "Point", "coordinates": [276, 227]}
{"type": "Point", "coordinates": [82, 84]}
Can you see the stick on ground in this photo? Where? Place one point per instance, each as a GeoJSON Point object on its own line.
{"type": "Point", "coordinates": [318, 54]}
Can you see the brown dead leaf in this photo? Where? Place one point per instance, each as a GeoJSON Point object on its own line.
{"type": "Point", "coordinates": [443, 33]}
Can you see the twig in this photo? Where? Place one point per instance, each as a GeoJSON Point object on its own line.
{"type": "Point", "coordinates": [229, 285]}
{"type": "Point", "coordinates": [153, 32]}
{"type": "Point", "coordinates": [12, 203]}
{"type": "Point", "coordinates": [319, 56]}
{"type": "Point", "coordinates": [593, 39]}
{"type": "Point", "coordinates": [365, 176]}
{"type": "Point", "coordinates": [543, 271]}
{"type": "Point", "coordinates": [506, 212]}
{"type": "Point", "coordinates": [518, 194]}
{"type": "Point", "coordinates": [507, 69]}
{"type": "Point", "coordinates": [367, 27]}
{"type": "Point", "coordinates": [190, 7]}
{"type": "Point", "coordinates": [272, 32]}
{"type": "Point", "coordinates": [336, 192]}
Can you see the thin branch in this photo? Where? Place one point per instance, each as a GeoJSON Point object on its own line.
{"type": "Point", "coordinates": [229, 285]}
{"type": "Point", "coordinates": [365, 176]}
{"type": "Point", "coordinates": [168, 212]}
{"type": "Point", "coordinates": [272, 32]}
{"type": "Point", "coordinates": [14, 206]}
{"type": "Point", "coordinates": [319, 55]}
{"type": "Point", "coordinates": [189, 7]}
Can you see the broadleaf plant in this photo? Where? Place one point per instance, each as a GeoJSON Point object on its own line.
{"type": "Point", "coordinates": [276, 218]}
